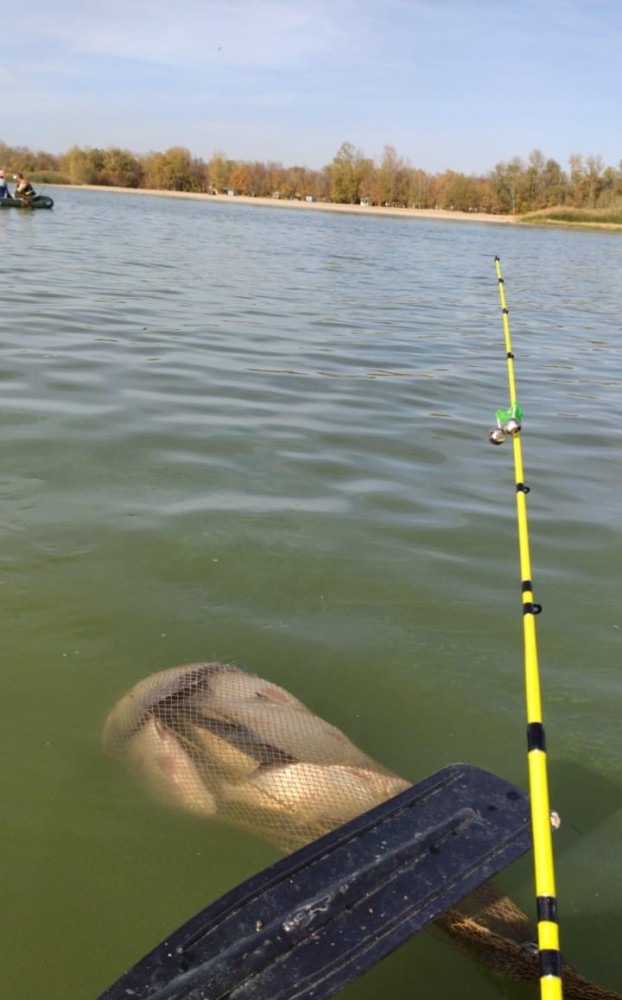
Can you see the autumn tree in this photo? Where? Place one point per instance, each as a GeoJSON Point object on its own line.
{"type": "Point", "coordinates": [576, 180]}
{"type": "Point", "coordinates": [323, 181]}
{"type": "Point", "coordinates": [370, 189]}
{"type": "Point", "coordinates": [298, 182]}
{"type": "Point", "coordinates": [421, 189]}
{"type": "Point", "coordinates": [274, 177]}
{"type": "Point", "coordinates": [241, 179]}
{"type": "Point", "coordinates": [83, 166]}
{"type": "Point", "coordinates": [219, 171]}
{"type": "Point", "coordinates": [392, 178]}
{"type": "Point", "coordinates": [258, 185]}
{"type": "Point", "coordinates": [16, 158]}
{"type": "Point", "coordinates": [174, 170]}
{"type": "Point", "coordinates": [457, 192]}
{"type": "Point", "coordinates": [121, 168]}
{"type": "Point", "coordinates": [514, 187]}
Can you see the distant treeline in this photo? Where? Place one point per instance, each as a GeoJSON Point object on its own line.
{"type": "Point", "coordinates": [514, 188]}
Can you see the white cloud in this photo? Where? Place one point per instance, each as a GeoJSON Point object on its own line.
{"type": "Point", "coordinates": [248, 33]}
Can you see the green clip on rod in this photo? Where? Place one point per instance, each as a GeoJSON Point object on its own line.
{"type": "Point", "coordinates": [509, 424]}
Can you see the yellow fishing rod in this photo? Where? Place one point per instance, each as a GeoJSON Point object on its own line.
{"type": "Point", "coordinates": [509, 425]}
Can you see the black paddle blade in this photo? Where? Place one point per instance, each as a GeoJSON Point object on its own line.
{"type": "Point", "coordinates": [316, 920]}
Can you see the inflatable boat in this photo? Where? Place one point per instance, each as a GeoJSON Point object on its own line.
{"type": "Point", "coordinates": [38, 201]}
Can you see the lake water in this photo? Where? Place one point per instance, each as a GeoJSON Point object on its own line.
{"type": "Point", "coordinates": [259, 436]}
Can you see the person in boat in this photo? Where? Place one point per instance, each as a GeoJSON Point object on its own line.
{"type": "Point", "coordinates": [23, 188]}
{"type": "Point", "coordinates": [4, 187]}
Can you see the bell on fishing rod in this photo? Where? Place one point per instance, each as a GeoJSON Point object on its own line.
{"type": "Point", "coordinates": [496, 435]}
{"type": "Point", "coordinates": [511, 426]}
{"type": "Point", "coordinates": [508, 422]}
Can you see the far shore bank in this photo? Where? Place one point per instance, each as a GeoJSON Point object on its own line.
{"type": "Point", "coordinates": [318, 206]}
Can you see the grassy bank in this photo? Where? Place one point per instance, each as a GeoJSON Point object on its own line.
{"type": "Point", "coordinates": [595, 218]}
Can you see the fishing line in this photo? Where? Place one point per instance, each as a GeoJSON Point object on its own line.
{"type": "Point", "coordinates": [509, 425]}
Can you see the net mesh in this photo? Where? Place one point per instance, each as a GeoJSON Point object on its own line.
{"type": "Point", "coordinates": [220, 742]}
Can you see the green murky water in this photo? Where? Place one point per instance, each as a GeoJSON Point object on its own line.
{"type": "Point", "coordinates": [260, 436]}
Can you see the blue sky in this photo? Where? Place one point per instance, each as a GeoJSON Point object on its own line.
{"type": "Point", "coordinates": [459, 84]}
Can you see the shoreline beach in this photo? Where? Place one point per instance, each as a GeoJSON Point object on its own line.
{"type": "Point", "coordinates": [318, 206]}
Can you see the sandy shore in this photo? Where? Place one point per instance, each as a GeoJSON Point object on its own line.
{"type": "Point", "coordinates": [309, 206]}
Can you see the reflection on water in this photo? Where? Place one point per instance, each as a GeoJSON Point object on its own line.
{"type": "Point", "coordinates": [260, 436]}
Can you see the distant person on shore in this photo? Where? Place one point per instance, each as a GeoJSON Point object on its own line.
{"type": "Point", "coordinates": [23, 188]}
{"type": "Point", "coordinates": [4, 187]}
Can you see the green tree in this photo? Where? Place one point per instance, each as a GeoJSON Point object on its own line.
{"type": "Point", "coordinates": [534, 181]}
{"type": "Point", "coordinates": [555, 184]}
{"type": "Point", "coordinates": [392, 179]}
{"type": "Point", "coordinates": [594, 179]}
{"type": "Point", "coordinates": [345, 175]}
{"type": "Point", "coordinates": [607, 196]}
{"type": "Point", "coordinates": [508, 182]}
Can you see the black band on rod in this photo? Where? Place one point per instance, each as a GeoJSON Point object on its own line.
{"type": "Point", "coordinates": [521, 488]}
{"type": "Point", "coordinates": [536, 740]}
{"type": "Point", "coordinates": [547, 908]}
{"type": "Point", "coordinates": [550, 963]}
{"type": "Point", "coordinates": [526, 585]}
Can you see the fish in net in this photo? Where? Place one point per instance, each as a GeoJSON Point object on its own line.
{"type": "Point", "coordinates": [224, 744]}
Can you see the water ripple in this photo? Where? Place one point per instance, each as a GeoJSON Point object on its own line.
{"type": "Point", "coordinates": [259, 435]}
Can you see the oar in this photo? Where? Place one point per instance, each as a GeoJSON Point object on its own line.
{"type": "Point", "coordinates": [313, 922]}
